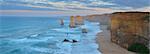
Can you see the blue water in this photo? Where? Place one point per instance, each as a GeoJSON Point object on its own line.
{"type": "Point", "coordinates": [44, 35]}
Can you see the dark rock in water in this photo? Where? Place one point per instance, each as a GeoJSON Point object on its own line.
{"type": "Point", "coordinates": [74, 41]}
{"type": "Point", "coordinates": [65, 40]}
{"type": "Point", "coordinates": [84, 30]}
{"type": "Point", "coordinates": [61, 22]}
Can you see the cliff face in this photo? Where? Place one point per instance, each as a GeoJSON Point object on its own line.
{"type": "Point", "coordinates": [104, 19]}
{"type": "Point", "coordinates": [130, 27]}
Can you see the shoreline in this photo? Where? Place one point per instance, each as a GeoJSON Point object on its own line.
{"type": "Point", "coordinates": [105, 44]}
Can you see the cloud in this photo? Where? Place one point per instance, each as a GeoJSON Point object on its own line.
{"type": "Point", "coordinates": [101, 3]}
{"type": "Point", "coordinates": [46, 13]}
{"type": "Point", "coordinates": [121, 8]}
{"type": "Point", "coordinates": [75, 6]}
{"type": "Point", "coordinates": [15, 6]}
{"type": "Point", "coordinates": [48, 4]}
{"type": "Point", "coordinates": [82, 4]}
{"type": "Point", "coordinates": [144, 9]}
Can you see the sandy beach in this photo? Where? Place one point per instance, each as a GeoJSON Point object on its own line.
{"type": "Point", "coordinates": [105, 44]}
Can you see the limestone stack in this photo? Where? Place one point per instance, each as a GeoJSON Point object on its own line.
{"type": "Point", "coordinates": [72, 22]}
{"type": "Point", "coordinates": [79, 20]}
{"type": "Point", "coordinates": [61, 22]}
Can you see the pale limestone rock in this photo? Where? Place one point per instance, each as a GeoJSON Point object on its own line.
{"type": "Point", "coordinates": [72, 22]}
{"type": "Point", "coordinates": [79, 20]}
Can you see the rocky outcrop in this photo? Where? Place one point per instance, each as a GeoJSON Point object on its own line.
{"type": "Point", "coordinates": [61, 22]}
{"type": "Point", "coordinates": [72, 22]}
{"type": "Point", "coordinates": [79, 20]}
{"type": "Point", "coordinates": [84, 30]}
{"type": "Point", "coordinates": [130, 27]}
{"type": "Point", "coordinates": [76, 20]}
{"type": "Point", "coordinates": [104, 19]}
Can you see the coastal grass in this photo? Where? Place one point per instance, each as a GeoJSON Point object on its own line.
{"type": "Point", "coordinates": [138, 48]}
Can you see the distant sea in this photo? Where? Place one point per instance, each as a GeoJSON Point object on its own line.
{"type": "Point", "coordinates": [45, 35]}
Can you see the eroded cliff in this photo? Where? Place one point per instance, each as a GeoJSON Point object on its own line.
{"type": "Point", "coordinates": [130, 27]}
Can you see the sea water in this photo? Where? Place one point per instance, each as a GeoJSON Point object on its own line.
{"type": "Point", "coordinates": [45, 35]}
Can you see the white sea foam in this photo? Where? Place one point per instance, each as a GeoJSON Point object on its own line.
{"type": "Point", "coordinates": [34, 35]}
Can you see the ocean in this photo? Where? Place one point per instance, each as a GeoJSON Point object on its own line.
{"type": "Point", "coordinates": [45, 35]}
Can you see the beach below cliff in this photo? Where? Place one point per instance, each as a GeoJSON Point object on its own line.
{"type": "Point", "coordinates": [105, 44]}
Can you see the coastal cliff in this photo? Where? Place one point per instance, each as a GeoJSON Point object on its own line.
{"type": "Point", "coordinates": [128, 28]}
{"type": "Point", "coordinates": [104, 37]}
{"type": "Point", "coordinates": [104, 19]}
{"type": "Point", "coordinates": [122, 28]}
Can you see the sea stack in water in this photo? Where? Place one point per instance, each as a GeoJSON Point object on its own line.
{"type": "Point", "coordinates": [72, 22]}
{"type": "Point", "coordinates": [61, 22]}
{"type": "Point", "coordinates": [65, 40]}
{"type": "Point", "coordinates": [79, 20]}
{"type": "Point", "coordinates": [74, 41]}
{"type": "Point", "coordinates": [84, 30]}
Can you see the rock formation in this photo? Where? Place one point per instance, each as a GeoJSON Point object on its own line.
{"type": "Point", "coordinates": [72, 22]}
{"type": "Point", "coordinates": [61, 22]}
{"type": "Point", "coordinates": [84, 30]}
{"type": "Point", "coordinates": [130, 27]}
{"type": "Point", "coordinates": [74, 41]}
{"type": "Point", "coordinates": [104, 19]}
{"type": "Point", "coordinates": [65, 40]}
{"type": "Point", "coordinates": [79, 20]}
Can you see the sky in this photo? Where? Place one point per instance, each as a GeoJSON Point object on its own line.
{"type": "Point", "coordinates": [70, 7]}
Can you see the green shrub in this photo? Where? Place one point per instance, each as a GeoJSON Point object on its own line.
{"type": "Point", "coordinates": [147, 18]}
{"type": "Point", "coordinates": [138, 48]}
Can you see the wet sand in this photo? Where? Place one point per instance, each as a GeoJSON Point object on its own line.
{"type": "Point", "coordinates": [105, 44]}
